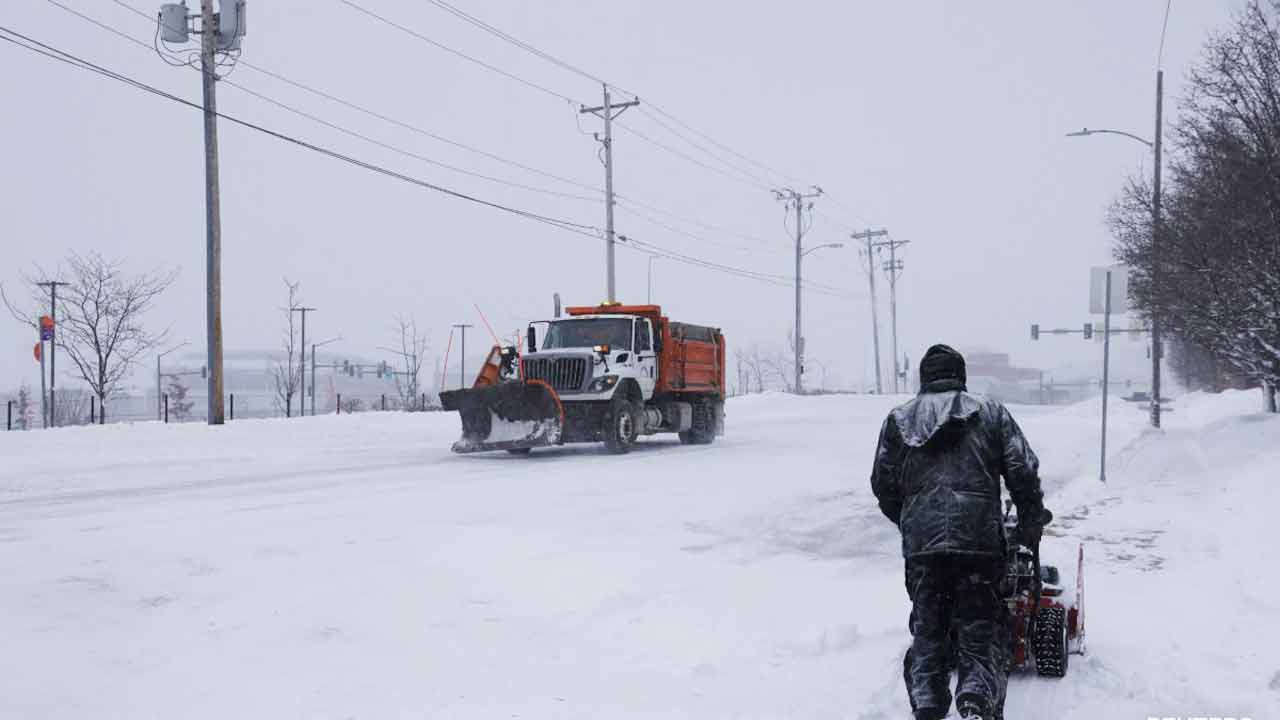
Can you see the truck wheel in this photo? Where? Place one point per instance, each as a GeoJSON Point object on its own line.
{"type": "Point", "coordinates": [703, 429]}
{"type": "Point", "coordinates": [621, 425]}
{"type": "Point", "coordinates": [1050, 642]}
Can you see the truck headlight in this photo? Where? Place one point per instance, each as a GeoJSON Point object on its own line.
{"type": "Point", "coordinates": [602, 383]}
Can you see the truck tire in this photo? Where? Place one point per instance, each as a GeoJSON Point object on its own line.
{"type": "Point", "coordinates": [703, 429]}
{"type": "Point", "coordinates": [621, 425]}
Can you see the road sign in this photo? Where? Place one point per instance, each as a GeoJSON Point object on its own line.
{"type": "Point", "coordinates": [1119, 289]}
{"type": "Point", "coordinates": [36, 351]}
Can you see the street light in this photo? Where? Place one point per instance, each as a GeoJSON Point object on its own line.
{"type": "Point", "coordinates": [799, 339]}
{"type": "Point", "coordinates": [1155, 233]}
{"type": "Point", "coordinates": [313, 372]}
{"type": "Point", "coordinates": [159, 391]}
{"type": "Point", "coordinates": [1084, 132]}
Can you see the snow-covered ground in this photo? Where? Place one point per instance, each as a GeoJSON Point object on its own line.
{"type": "Point", "coordinates": [340, 567]}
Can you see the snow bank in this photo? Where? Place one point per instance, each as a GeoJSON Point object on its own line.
{"type": "Point", "coordinates": [352, 567]}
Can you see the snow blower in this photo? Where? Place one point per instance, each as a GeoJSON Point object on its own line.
{"type": "Point", "coordinates": [500, 411]}
{"type": "Point", "coordinates": [1046, 611]}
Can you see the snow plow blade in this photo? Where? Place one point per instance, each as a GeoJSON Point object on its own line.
{"type": "Point", "coordinates": [506, 416]}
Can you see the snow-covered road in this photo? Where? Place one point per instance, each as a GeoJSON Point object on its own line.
{"type": "Point", "coordinates": [350, 566]}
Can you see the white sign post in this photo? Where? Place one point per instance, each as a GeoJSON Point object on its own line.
{"type": "Point", "coordinates": [1108, 292]}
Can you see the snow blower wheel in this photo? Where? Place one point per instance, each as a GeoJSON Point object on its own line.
{"type": "Point", "coordinates": [1051, 642]}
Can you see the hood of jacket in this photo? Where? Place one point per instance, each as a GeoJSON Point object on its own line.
{"type": "Point", "coordinates": [931, 413]}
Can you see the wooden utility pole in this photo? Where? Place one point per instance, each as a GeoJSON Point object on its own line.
{"type": "Point", "coordinates": [608, 112]}
{"type": "Point", "coordinates": [867, 237]}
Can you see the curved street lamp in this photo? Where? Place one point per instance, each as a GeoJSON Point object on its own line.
{"type": "Point", "coordinates": [799, 338]}
{"type": "Point", "coordinates": [1086, 132]}
{"type": "Point", "coordinates": [1155, 230]}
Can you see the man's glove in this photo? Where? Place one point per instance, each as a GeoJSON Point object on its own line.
{"type": "Point", "coordinates": [1031, 527]}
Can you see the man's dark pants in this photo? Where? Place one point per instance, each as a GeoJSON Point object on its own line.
{"type": "Point", "coordinates": [957, 616]}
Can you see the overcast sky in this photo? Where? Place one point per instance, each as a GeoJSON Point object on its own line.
{"type": "Point", "coordinates": [940, 121]}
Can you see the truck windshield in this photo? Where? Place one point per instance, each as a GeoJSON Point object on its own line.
{"type": "Point", "coordinates": [585, 333]}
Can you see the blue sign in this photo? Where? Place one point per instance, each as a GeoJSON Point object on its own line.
{"type": "Point", "coordinates": [46, 334]}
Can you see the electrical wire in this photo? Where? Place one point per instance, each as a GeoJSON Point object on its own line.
{"type": "Point", "coordinates": [335, 126]}
{"type": "Point", "coordinates": [386, 118]}
{"type": "Point", "coordinates": [49, 51]}
{"type": "Point", "coordinates": [515, 41]}
{"type": "Point", "coordinates": [458, 53]}
{"type": "Point", "coordinates": [503, 35]}
{"type": "Point", "coordinates": [399, 123]}
{"type": "Point", "coordinates": [75, 61]}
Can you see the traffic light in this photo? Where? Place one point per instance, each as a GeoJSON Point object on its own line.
{"type": "Point", "coordinates": [1088, 331]}
{"type": "Point", "coordinates": [346, 368]}
{"type": "Point", "coordinates": [204, 372]}
{"type": "Point", "coordinates": [382, 369]}
{"type": "Point", "coordinates": [1035, 331]}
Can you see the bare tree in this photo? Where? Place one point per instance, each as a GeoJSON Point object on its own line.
{"type": "Point", "coordinates": [286, 377]}
{"type": "Point", "coordinates": [1215, 283]}
{"type": "Point", "coordinates": [100, 315]}
{"type": "Point", "coordinates": [412, 353]}
{"type": "Point", "coordinates": [752, 368]}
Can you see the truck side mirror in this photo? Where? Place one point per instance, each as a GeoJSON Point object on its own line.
{"type": "Point", "coordinates": [531, 340]}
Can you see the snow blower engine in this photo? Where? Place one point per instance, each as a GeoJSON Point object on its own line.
{"type": "Point", "coordinates": [1046, 609]}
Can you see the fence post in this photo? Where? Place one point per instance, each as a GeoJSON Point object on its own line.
{"type": "Point", "coordinates": [233, 406]}
{"type": "Point", "coordinates": [338, 408]}
{"type": "Point", "coordinates": [93, 413]}
{"type": "Point", "coordinates": [384, 402]}
{"type": "Point", "coordinates": [423, 404]}
{"type": "Point", "coordinates": [8, 420]}
{"type": "Point", "coordinates": [166, 407]}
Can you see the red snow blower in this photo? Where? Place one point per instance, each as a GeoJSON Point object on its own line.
{"type": "Point", "coordinates": [1046, 608]}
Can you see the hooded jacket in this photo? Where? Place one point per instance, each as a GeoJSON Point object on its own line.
{"type": "Point", "coordinates": [939, 462]}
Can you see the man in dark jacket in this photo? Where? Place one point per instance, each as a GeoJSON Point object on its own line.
{"type": "Point", "coordinates": [937, 477]}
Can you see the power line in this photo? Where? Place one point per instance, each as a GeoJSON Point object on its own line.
{"type": "Point", "coordinates": [515, 41]}
{"type": "Point", "coordinates": [690, 158]}
{"type": "Point", "coordinates": [745, 173]}
{"type": "Point", "coordinates": [380, 116]}
{"type": "Point", "coordinates": [458, 53]}
{"type": "Point", "coordinates": [51, 52]}
{"type": "Point", "coordinates": [334, 98]}
{"type": "Point", "coordinates": [75, 61]}
{"type": "Point", "coordinates": [503, 35]}
{"type": "Point", "coordinates": [341, 128]}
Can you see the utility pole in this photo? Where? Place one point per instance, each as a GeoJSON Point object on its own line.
{"type": "Point", "coordinates": [53, 347]}
{"type": "Point", "coordinates": [867, 237]}
{"type": "Point", "coordinates": [894, 267]}
{"type": "Point", "coordinates": [219, 33]}
{"type": "Point", "coordinates": [1155, 257]}
{"type": "Point", "coordinates": [462, 362]}
{"type": "Point", "coordinates": [795, 200]}
{"type": "Point", "coordinates": [302, 362]}
{"type": "Point", "coordinates": [213, 214]}
{"type": "Point", "coordinates": [608, 112]}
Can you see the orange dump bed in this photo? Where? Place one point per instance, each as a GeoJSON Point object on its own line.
{"type": "Point", "coordinates": [691, 358]}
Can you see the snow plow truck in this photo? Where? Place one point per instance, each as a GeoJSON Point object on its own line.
{"type": "Point", "coordinates": [608, 373]}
